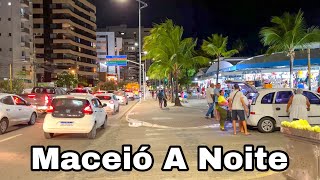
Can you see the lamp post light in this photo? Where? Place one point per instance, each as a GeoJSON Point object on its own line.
{"type": "Point", "coordinates": [144, 5]}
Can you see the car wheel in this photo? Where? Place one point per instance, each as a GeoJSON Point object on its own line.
{"type": "Point", "coordinates": [33, 119]}
{"type": "Point", "coordinates": [266, 125]}
{"type": "Point", "coordinates": [48, 135]}
{"type": "Point", "coordinates": [104, 125]}
{"type": "Point", "coordinates": [4, 123]}
{"type": "Point", "coordinates": [92, 134]}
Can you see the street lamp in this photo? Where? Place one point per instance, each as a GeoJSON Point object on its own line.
{"type": "Point", "coordinates": [140, 8]}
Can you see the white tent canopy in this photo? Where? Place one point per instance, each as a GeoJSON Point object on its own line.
{"type": "Point", "coordinates": [222, 65]}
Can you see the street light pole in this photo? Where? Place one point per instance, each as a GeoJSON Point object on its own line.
{"type": "Point", "coordinates": [140, 53]}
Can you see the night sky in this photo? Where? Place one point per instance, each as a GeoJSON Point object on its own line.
{"type": "Point", "coordinates": [200, 18]}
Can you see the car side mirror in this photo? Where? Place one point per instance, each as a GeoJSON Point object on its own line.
{"type": "Point", "coordinates": [104, 105]}
{"type": "Point", "coordinates": [28, 104]}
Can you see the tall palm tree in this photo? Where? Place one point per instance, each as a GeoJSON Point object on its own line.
{"type": "Point", "coordinates": [170, 51]}
{"type": "Point", "coordinates": [216, 46]}
{"type": "Point", "coordinates": [288, 34]}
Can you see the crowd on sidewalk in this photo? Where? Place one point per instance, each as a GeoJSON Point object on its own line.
{"type": "Point", "coordinates": [222, 108]}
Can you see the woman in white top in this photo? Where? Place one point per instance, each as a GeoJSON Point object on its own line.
{"type": "Point", "coordinates": [300, 106]}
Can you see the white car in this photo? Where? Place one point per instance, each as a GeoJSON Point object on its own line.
{"type": "Point", "coordinates": [80, 91]}
{"type": "Point", "coordinates": [122, 96]}
{"type": "Point", "coordinates": [110, 101]}
{"type": "Point", "coordinates": [74, 114]}
{"type": "Point", "coordinates": [268, 108]}
{"type": "Point", "coordinates": [130, 95]}
{"type": "Point", "coordinates": [15, 110]}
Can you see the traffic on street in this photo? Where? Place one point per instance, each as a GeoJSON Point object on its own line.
{"type": "Point", "coordinates": [159, 90]}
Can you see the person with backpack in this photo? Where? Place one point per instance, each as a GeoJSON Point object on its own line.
{"type": "Point", "coordinates": [161, 97]}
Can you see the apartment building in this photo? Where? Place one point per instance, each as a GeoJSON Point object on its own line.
{"type": "Point", "coordinates": [130, 40]}
{"type": "Point", "coordinates": [16, 40]}
{"type": "Point", "coordinates": [65, 39]}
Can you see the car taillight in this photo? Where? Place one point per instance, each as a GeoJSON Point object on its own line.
{"type": "Point", "coordinates": [46, 99]}
{"type": "Point", "coordinates": [88, 110]}
{"type": "Point", "coordinates": [31, 95]}
{"type": "Point", "coordinates": [253, 113]}
{"type": "Point", "coordinates": [49, 109]}
{"type": "Point", "coordinates": [111, 102]}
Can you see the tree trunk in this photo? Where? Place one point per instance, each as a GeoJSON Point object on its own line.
{"type": "Point", "coordinates": [309, 70]}
{"type": "Point", "coordinates": [218, 69]}
{"type": "Point", "coordinates": [291, 69]}
{"type": "Point", "coordinates": [172, 89]}
{"type": "Point", "coordinates": [177, 100]}
{"type": "Point", "coordinates": [187, 85]}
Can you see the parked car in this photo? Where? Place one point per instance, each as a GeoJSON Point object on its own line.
{"type": "Point", "coordinates": [74, 114]}
{"type": "Point", "coordinates": [110, 102]}
{"type": "Point", "coordinates": [80, 91]}
{"type": "Point", "coordinates": [41, 97]}
{"type": "Point", "coordinates": [122, 96]}
{"type": "Point", "coordinates": [15, 110]}
{"type": "Point", "coordinates": [268, 109]}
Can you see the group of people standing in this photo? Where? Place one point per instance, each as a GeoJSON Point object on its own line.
{"type": "Point", "coordinates": [236, 107]}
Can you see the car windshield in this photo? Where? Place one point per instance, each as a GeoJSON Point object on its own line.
{"type": "Point", "coordinates": [79, 91]}
{"type": "Point", "coordinates": [104, 97]}
{"type": "Point", "coordinates": [41, 90]}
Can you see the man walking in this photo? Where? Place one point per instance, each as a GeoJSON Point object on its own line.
{"type": "Point", "coordinates": [238, 108]}
{"type": "Point", "coordinates": [209, 97]}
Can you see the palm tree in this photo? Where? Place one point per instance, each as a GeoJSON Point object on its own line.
{"type": "Point", "coordinates": [239, 45]}
{"type": "Point", "coordinates": [288, 34]}
{"type": "Point", "coordinates": [167, 48]}
{"type": "Point", "coordinates": [216, 46]}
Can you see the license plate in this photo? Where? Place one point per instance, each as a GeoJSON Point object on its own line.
{"type": "Point", "coordinates": [66, 123]}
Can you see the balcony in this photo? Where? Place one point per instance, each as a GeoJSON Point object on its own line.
{"type": "Point", "coordinates": [25, 44]}
{"type": "Point", "coordinates": [24, 3]}
{"type": "Point", "coordinates": [24, 17]}
{"type": "Point", "coordinates": [25, 30]}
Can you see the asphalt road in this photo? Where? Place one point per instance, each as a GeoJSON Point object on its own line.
{"type": "Point", "coordinates": [161, 128]}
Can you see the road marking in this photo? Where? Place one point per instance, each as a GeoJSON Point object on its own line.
{"type": "Point", "coordinates": [6, 139]}
{"type": "Point", "coordinates": [161, 118]}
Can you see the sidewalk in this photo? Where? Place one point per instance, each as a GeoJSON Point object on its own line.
{"type": "Point", "coordinates": [190, 115]}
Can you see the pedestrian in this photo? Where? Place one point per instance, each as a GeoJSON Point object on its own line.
{"type": "Point", "coordinates": [222, 108]}
{"type": "Point", "coordinates": [209, 97]}
{"type": "Point", "coordinates": [238, 108]}
{"type": "Point", "coordinates": [299, 105]}
{"type": "Point", "coordinates": [216, 96]}
{"type": "Point", "coordinates": [160, 97]}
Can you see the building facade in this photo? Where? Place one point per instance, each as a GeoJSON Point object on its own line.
{"type": "Point", "coordinates": [16, 40]}
{"type": "Point", "coordinates": [109, 45]}
{"type": "Point", "coordinates": [130, 40]}
{"type": "Point", "coordinates": [65, 39]}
